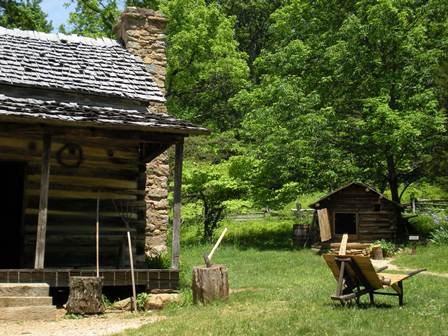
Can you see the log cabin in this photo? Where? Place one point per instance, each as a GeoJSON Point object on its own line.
{"type": "Point", "coordinates": [361, 211]}
{"type": "Point", "coordinates": [83, 138]}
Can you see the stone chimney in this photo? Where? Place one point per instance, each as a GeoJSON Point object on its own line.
{"type": "Point", "coordinates": [142, 32]}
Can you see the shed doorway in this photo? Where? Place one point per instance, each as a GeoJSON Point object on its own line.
{"type": "Point", "coordinates": [345, 223]}
{"type": "Point", "coordinates": [12, 175]}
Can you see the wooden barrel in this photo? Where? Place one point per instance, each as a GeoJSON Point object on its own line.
{"type": "Point", "coordinates": [300, 234]}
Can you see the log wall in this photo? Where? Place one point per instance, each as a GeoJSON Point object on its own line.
{"type": "Point", "coordinates": [109, 169]}
{"type": "Point", "coordinates": [376, 217]}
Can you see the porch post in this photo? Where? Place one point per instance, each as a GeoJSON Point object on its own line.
{"type": "Point", "coordinates": [43, 203]}
{"type": "Point", "coordinates": [177, 204]}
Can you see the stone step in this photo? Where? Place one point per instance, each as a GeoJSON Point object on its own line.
{"type": "Point", "coordinates": [45, 313]}
{"type": "Point", "coordinates": [24, 289]}
{"type": "Point", "coordinates": [25, 301]}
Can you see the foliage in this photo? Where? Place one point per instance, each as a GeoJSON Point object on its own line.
{"type": "Point", "coordinates": [24, 14]}
{"type": "Point", "coordinates": [347, 91]}
{"type": "Point", "coordinates": [291, 150]}
{"type": "Point", "coordinates": [389, 248]}
{"type": "Point", "coordinates": [161, 261]}
{"type": "Point", "coordinates": [94, 18]}
{"type": "Point", "coordinates": [238, 206]}
{"type": "Point", "coordinates": [106, 302]}
{"type": "Point", "coordinates": [252, 23]}
{"type": "Point", "coordinates": [213, 148]}
{"type": "Point", "coordinates": [192, 213]}
{"type": "Point", "coordinates": [73, 316]}
{"type": "Point", "coordinates": [205, 68]}
{"type": "Point", "coordinates": [212, 186]}
{"type": "Point", "coordinates": [424, 190]}
{"type": "Point", "coordinates": [440, 235]}
{"type": "Point", "coordinates": [141, 300]}
{"type": "Point", "coordinates": [423, 225]}
{"type": "Point", "coordinates": [426, 224]}
{"type": "Point", "coordinates": [152, 4]}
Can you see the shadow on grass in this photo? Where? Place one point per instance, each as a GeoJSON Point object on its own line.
{"type": "Point", "coordinates": [362, 306]}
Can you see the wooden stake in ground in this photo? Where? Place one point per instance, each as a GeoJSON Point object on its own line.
{"type": "Point", "coordinates": [210, 282]}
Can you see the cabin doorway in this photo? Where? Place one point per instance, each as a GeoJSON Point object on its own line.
{"type": "Point", "coordinates": [12, 175]}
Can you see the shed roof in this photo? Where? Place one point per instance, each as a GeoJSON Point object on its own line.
{"type": "Point", "coordinates": [72, 63]}
{"type": "Point", "coordinates": [359, 184]}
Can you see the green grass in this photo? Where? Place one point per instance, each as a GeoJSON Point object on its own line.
{"type": "Point", "coordinates": [287, 292]}
{"type": "Point", "coordinates": [432, 257]}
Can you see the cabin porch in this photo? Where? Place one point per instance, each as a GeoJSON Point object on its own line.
{"type": "Point", "coordinates": [60, 277]}
{"type": "Point", "coordinates": [54, 193]}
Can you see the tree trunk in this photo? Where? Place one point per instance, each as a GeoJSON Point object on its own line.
{"type": "Point", "coordinates": [210, 283]}
{"type": "Point", "coordinates": [85, 295]}
{"type": "Point", "coordinates": [392, 178]}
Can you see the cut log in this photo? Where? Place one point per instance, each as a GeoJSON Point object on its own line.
{"type": "Point", "coordinates": [210, 283]}
{"type": "Point", "coordinates": [85, 295]}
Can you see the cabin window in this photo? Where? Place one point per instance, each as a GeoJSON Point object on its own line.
{"type": "Point", "coordinates": [345, 223]}
{"type": "Point", "coordinates": [377, 207]}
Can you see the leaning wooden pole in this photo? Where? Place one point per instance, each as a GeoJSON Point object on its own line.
{"type": "Point", "coordinates": [98, 235]}
{"type": "Point", "coordinates": [43, 203]}
{"type": "Point", "coordinates": [131, 261]}
{"type": "Point", "coordinates": [179, 155]}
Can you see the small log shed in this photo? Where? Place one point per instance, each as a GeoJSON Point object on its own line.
{"type": "Point", "coordinates": [77, 124]}
{"type": "Point", "coordinates": [362, 212]}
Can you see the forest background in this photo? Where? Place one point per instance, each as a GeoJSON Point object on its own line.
{"type": "Point", "coordinates": [301, 96]}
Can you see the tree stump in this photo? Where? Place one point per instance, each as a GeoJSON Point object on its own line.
{"type": "Point", "coordinates": [377, 253]}
{"type": "Point", "coordinates": [85, 295]}
{"type": "Point", "coordinates": [210, 283]}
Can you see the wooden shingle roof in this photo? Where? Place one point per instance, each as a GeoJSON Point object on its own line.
{"type": "Point", "coordinates": [27, 109]}
{"type": "Point", "coordinates": [79, 81]}
{"type": "Point", "coordinates": [74, 63]}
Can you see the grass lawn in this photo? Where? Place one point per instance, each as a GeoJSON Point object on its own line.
{"type": "Point", "coordinates": [432, 257]}
{"type": "Point", "coordinates": [287, 292]}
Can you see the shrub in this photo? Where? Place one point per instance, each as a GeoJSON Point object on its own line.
{"type": "Point", "coordinates": [389, 249]}
{"type": "Point", "coordinates": [423, 225]}
{"type": "Point", "coordinates": [141, 300]}
{"type": "Point", "coordinates": [161, 261]}
{"type": "Point", "coordinates": [440, 236]}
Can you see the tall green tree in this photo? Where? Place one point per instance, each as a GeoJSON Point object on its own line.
{"type": "Point", "coordinates": [367, 68]}
{"type": "Point", "coordinates": [205, 67]}
{"type": "Point", "coordinates": [252, 24]}
{"type": "Point", "coordinates": [24, 14]}
{"type": "Point", "coordinates": [213, 187]}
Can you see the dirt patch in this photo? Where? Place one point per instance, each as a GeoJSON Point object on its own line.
{"type": "Point", "coordinates": [109, 323]}
{"type": "Point", "coordinates": [392, 267]}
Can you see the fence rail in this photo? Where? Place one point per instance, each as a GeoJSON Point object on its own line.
{"type": "Point", "coordinates": [423, 204]}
